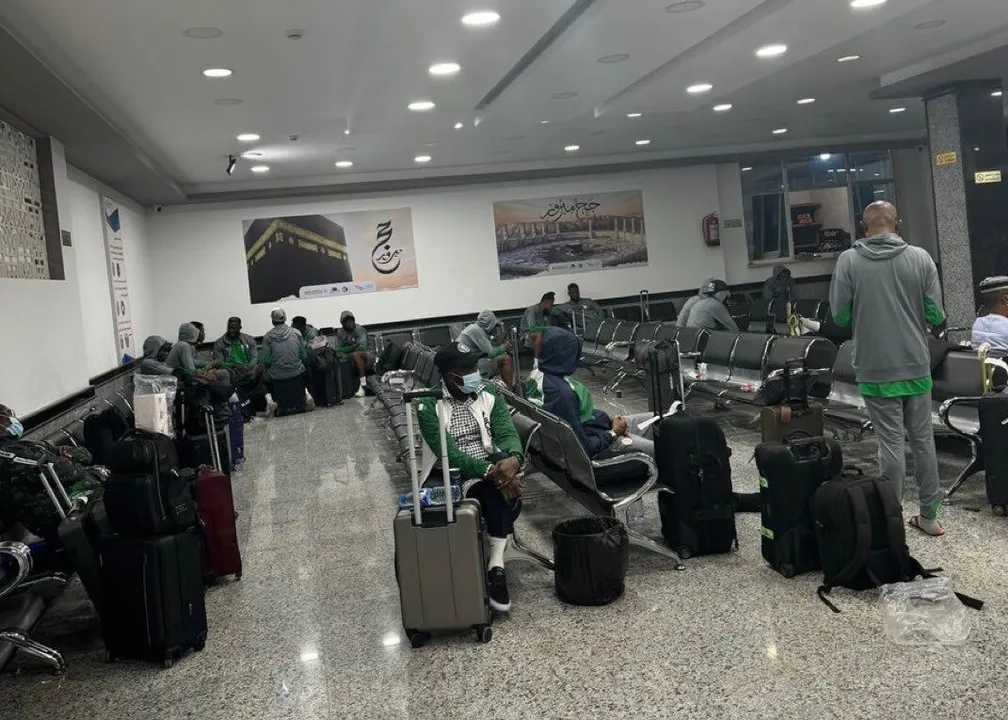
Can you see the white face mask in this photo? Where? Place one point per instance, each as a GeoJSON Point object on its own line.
{"type": "Point", "coordinates": [471, 383]}
{"type": "Point", "coordinates": [16, 428]}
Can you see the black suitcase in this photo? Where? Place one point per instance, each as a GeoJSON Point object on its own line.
{"type": "Point", "coordinates": [142, 504]}
{"type": "Point", "coordinates": [347, 380]}
{"type": "Point", "coordinates": [80, 533]}
{"type": "Point", "coordinates": [152, 590]}
{"type": "Point", "coordinates": [993, 412]}
{"type": "Point", "coordinates": [289, 396]}
{"type": "Point", "coordinates": [140, 451]}
{"type": "Point", "coordinates": [325, 389]}
{"type": "Point", "coordinates": [663, 381]}
{"type": "Point", "coordinates": [790, 473]}
{"type": "Point", "coordinates": [195, 450]}
{"type": "Point", "coordinates": [696, 504]}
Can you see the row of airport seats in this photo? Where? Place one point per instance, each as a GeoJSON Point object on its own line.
{"type": "Point", "coordinates": [416, 370]}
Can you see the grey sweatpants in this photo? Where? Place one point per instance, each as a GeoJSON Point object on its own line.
{"type": "Point", "coordinates": [895, 420]}
{"type": "Point", "coordinates": [636, 440]}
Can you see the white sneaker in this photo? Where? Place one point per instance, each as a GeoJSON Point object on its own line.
{"type": "Point", "coordinates": [271, 408]}
{"type": "Point", "coordinates": [360, 392]}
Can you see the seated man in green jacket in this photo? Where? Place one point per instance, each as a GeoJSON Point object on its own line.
{"type": "Point", "coordinates": [484, 445]}
{"type": "Point", "coordinates": [352, 339]}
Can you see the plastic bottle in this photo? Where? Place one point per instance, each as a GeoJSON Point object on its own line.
{"type": "Point", "coordinates": [635, 513]}
{"type": "Point", "coordinates": [430, 497]}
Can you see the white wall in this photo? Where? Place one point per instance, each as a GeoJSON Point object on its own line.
{"type": "Point", "coordinates": [95, 298]}
{"type": "Point", "coordinates": [199, 255]}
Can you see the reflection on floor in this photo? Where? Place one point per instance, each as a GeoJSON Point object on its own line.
{"type": "Point", "coordinates": [313, 629]}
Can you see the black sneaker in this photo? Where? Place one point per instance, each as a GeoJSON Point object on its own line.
{"type": "Point", "coordinates": [497, 589]}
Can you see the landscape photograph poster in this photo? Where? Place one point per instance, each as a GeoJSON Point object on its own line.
{"type": "Point", "coordinates": [315, 256]}
{"type": "Point", "coordinates": [577, 233]}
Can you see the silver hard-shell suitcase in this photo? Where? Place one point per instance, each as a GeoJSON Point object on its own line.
{"type": "Point", "coordinates": [439, 556]}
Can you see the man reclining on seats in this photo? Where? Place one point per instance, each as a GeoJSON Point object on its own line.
{"type": "Point", "coordinates": [992, 328]}
{"type": "Point", "coordinates": [352, 339]}
{"type": "Point", "coordinates": [571, 401]}
{"type": "Point", "coordinates": [484, 445]}
{"type": "Point", "coordinates": [183, 356]}
{"type": "Point", "coordinates": [710, 312]}
{"type": "Point", "coordinates": [477, 337]}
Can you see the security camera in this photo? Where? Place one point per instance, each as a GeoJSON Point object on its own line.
{"type": "Point", "coordinates": [232, 163]}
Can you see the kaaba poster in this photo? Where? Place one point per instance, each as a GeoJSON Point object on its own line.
{"type": "Point", "coordinates": [313, 256]}
{"type": "Point", "coordinates": [562, 235]}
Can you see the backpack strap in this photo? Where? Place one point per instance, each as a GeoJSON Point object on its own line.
{"type": "Point", "coordinates": [916, 569]}
{"type": "Point", "coordinates": [862, 524]}
{"type": "Point", "coordinates": [894, 526]}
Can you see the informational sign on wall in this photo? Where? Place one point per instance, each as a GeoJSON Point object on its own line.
{"type": "Point", "coordinates": [314, 256]}
{"type": "Point", "coordinates": [23, 252]}
{"type": "Point", "coordinates": [562, 235]}
{"type": "Point", "coordinates": [118, 284]}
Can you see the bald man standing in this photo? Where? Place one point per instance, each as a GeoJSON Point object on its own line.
{"type": "Point", "coordinates": [889, 291]}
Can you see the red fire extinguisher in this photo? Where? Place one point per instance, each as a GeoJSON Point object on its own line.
{"type": "Point", "coordinates": [711, 227]}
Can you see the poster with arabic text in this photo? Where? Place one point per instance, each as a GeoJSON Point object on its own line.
{"type": "Point", "coordinates": [577, 233]}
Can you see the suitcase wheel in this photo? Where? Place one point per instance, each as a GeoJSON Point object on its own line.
{"type": "Point", "coordinates": [168, 662]}
{"type": "Point", "coordinates": [685, 552]}
{"type": "Point", "coordinates": [1000, 510]}
{"type": "Point", "coordinates": [110, 656]}
{"type": "Point", "coordinates": [198, 647]}
{"type": "Point", "coordinates": [417, 639]}
{"type": "Point", "coordinates": [787, 570]}
{"type": "Point", "coordinates": [484, 633]}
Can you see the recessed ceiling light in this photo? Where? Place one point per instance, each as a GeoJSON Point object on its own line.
{"type": "Point", "coordinates": [746, 169]}
{"type": "Point", "coordinates": [444, 68]}
{"type": "Point", "coordinates": [780, 131]}
{"type": "Point", "coordinates": [563, 95]}
{"type": "Point", "coordinates": [976, 149]}
{"type": "Point", "coordinates": [459, 126]}
{"type": "Point", "coordinates": [259, 169]}
{"type": "Point", "coordinates": [771, 51]}
{"type": "Point", "coordinates": [896, 110]}
{"type": "Point", "coordinates": [247, 137]}
{"type": "Point", "coordinates": [863, 4]}
{"type": "Point", "coordinates": [544, 122]}
{"type": "Point", "coordinates": [421, 106]}
{"type": "Point", "coordinates": [806, 101]}
{"type": "Point", "coordinates": [929, 25]}
{"type": "Point", "coordinates": [699, 88]}
{"type": "Point", "coordinates": [572, 148]}
{"type": "Point", "coordinates": [422, 159]}
{"type": "Point", "coordinates": [684, 7]}
{"type": "Point", "coordinates": [344, 164]}
{"type": "Point", "coordinates": [825, 156]}
{"type": "Point", "coordinates": [848, 58]}
{"type": "Point", "coordinates": [481, 18]}
{"type": "Point", "coordinates": [227, 101]}
{"type": "Point", "coordinates": [996, 93]}
{"type": "Point", "coordinates": [642, 143]}
{"type": "Point", "coordinates": [252, 155]}
{"type": "Point", "coordinates": [878, 174]}
{"type": "Point", "coordinates": [723, 107]}
{"type": "Point", "coordinates": [217, 72]}
{"type": "Point", "coordinates": [614, 58]}
{"type": "Point", "coordinates": [633, 115]}
{"type": "Point", "coordinates": [203, 33]}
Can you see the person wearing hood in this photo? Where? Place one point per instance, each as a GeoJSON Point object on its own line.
{"type": "Point", "coordinates": [888, 292]}
{"type": "Point", "coordinates": [710, 312]}
{"type": "Point", "coordinates": [352, 339]}
{"type": "Point", "coordinates": [308, 332]}
{"type": "Point", "coordinates": [478, 337]}
{"type": "Point", "coordinates": [701, 294]}
{"type": "Point", "coordinates": [155, 353]}
{"type": "Point", "coordinates": [182, 356]}
{"type": "Point", "coordinates": [283, 349]}
{"type": "Point", "coordinates": [484, 445]}
{"type": "Point", "coordinates": [570, 400]}
{"type": "Point", "coordinates": [780, 285]}
{"type": "Point", "coordinates": [235, 349]}
{"type": "Point", "coordinates": [992, 328]}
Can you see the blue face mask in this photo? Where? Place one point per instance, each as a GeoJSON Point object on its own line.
{"type": "Point", "coordinates": [16, 428]}
{"type": "Point", "coordinates": [472, 383]}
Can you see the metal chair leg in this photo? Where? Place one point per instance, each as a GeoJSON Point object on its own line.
{"type": "Point", "coordinates": [643, 541]}
{"type": "Point", "coordinates": [524, 552]}
{"type": "Point", "coordinates": [975, 465]}
{"type": "Point", "coordinates": [37, 650]}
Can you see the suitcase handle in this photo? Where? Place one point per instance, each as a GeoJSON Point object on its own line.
{"type": "Point", "coordinates": [411, 395]}
{"type": "Point", "coordinates": [445, 470]}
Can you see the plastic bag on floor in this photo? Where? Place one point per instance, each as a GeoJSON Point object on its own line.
{"type": "Point", "coordinates": [154, 402]}
{"type": "Point", "coordinates": [924, 612]}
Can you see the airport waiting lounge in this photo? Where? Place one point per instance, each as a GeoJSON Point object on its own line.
{"type": "Point", "coordinates": [481, 359]}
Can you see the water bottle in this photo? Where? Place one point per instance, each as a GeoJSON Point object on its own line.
{"type": "Point", "coordinates": [635, 513]}
{"type": "Point", "coordinates": [430, 497]}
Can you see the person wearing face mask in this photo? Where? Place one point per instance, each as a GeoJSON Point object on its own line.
{"type": "Point", "coordinates": [709, 312]}
{"type": "Point", "coordinates": [484, 446]}
{"type": "Point", "coordinates": [10, 427]}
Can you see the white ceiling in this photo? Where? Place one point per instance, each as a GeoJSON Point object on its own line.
{"type": "Point", "coordinates": [362, 61]}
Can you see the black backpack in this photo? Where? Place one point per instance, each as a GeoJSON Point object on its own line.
{"type": "Point", "coordinates": [861, 538]}
{"type": "Point", "coordinates": [391, 358]}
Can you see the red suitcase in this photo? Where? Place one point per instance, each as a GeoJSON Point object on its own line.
{"type": "Point", "coordinates": [216, 510]}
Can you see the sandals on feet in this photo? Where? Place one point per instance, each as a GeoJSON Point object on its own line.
{"type": "Point", "coordinates": [914, 522]}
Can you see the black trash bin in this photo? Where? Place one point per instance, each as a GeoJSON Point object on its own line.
{"type": "Point", "coordinates": [590, 555]}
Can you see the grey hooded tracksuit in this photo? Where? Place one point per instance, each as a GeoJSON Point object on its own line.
{"type": "Point", "coordinates": [183, 352]}
{"type": "Point", "coordinates": [889, 291]}
{"type": "Point", "coordinates": [356, 341]}
{"type": "Point", "coordinates": [283, 353]}
{"type": "Point", "coordinates": [778, 287]}
{"type": "Point", "coordinates": [476, 337]}
{"type": "Point", "coordinates": [685, 312]}
{"type": "Point", "coordinates": [710, 313]}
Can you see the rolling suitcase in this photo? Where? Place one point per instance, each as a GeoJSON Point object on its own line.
{"type": "Point", "coordinates": [325, 389]}
{"type": "Point", "coordinates": [439, 557]}
{"type": "Point", "coordinates": [993, 411]}
{"type": "Point", "coordinates": [80, 533]}
{"type": "Point", "coordinates": [143, 451]}
{"type": "Point", "coordinates": [236, 434]}
{"type": "Point", "coordinates": [143, 504]}
{"type": "Point", "coordinates": [152, 590]}
{"type": "Point", "coordinates": [781, 422]}
{"type": "Point", "coordinates": [789, 475]}
{"type": "Point", "coordinates": [695, 503]}
{"type": "Point", "coordinates": [663, 381]}
{"type": "Point", "coordinates": [289, 396]}
{"type": "Point", "coordinates": [347, 380]}
{"type": "Point", "coordinates": [216, 510]}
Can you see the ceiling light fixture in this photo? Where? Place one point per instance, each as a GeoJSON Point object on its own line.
{"type": "Point", "coordinates": [996, 93]}
{"type": "Point", "coordinates": [771, 51]}
{"type": "Point", "coordinates": [572, 148]}
{"type": "Point", "coordinates": [614, 58]}
{"type": "Point", "coordinates": [481, 18]}
{"type": "Point", "coordinates": [929, 25]}
{"type": "Point", "coordinates": [976, 149]}
{"type": "Point", "coordinates": [747, 168]}
{"type": "Point", "coordinates": [247, 137]}
{"type": "Point", "coordinates": [421, 106]}
{"type": "Point", "coordinates": [459, 126]}
{"type": "Point", "coordinates": [203, 33]}
{"type": "Point", "coordinates": [780, 131]}
{"type": "Point", "coordinates": [806, 101]}
{"type": "Point", "coordinates": [865, 4]}
{"type": "Point", "coordinates": [443, 69]}
{"type": "Point", "coordinates": [259, 169]}
{"type": "Point", "coordinates": [344, 164]}
{"type": "Point", "coordinates": [723, 107]}
{"type": "Point", "coordinates": [633, 115]}
{"type": "Point", "coordinates": [232, 163]}
{"type": "Point", "coordinates": [699, 88]}
{"type": "Point", "coordinates": [251, 154]}
{"type": "Point", "coordinates": [848, 58]}
{"type": "Point", "coordinates": [217, 72]}
{"type": "Point", "coordinates": [825, 156]}
{"type": "Point", "coordinates": [684, 7]}
{"type": "Point", "coordinates": [642, 143]}
{"type": "Point", "coordinates": [564, 95]}
{"type": "Point", "coordinates": [897, 110]}
{"type": "Point", "coordinates": [422, 159]}
{"type": "Point", "coordinates": [544, 122]}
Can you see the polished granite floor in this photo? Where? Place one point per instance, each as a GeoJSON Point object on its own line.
{"type": "Point", "coordinates": [312, 631]}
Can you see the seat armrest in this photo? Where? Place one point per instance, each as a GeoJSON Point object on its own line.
{"type": "Point", "coordinates": [642, 458]}
{"type": "Point", "coordinates": [618, 344]}
{"type": "Point", "coordinates": [692, 355]}
{"type": "Point", "coordinates": [21, 556]}
{"type": "Point", "coordinates": [946, 407]}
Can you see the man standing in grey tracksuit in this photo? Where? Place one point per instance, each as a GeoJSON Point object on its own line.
{"type": "Point", "coordinates": [889, 291]}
